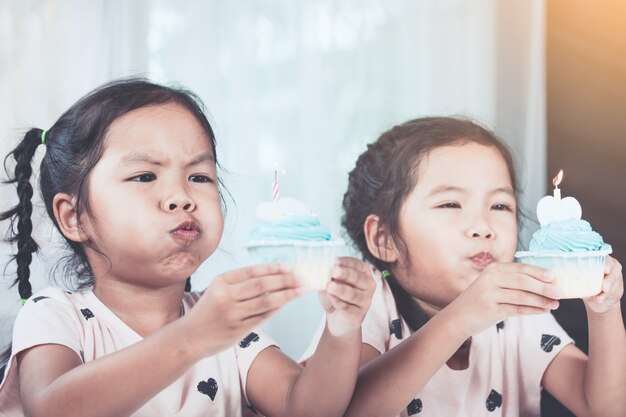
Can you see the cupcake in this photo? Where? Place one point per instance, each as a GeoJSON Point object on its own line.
{"type": "Point", "coordinates": [289, 232]}
{"type": "Point", "coordinates": [567, 245]}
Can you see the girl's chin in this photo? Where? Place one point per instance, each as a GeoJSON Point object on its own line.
{"type": "Point", "coordinates": [180, 264]}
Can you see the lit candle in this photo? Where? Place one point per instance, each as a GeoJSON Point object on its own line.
{"type": "Point", "coordinates": [275, 188]}
{"type": "Point", "coordinates": [556, 181]}
{"type": "Point", "coordinates": [552, 208]}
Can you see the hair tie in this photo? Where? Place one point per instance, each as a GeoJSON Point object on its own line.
{"type": "Point", "coordinates": [23, 300]}
{"type": "Point", "coordinates": [386, 274]}
{"type": "Point", "coordinates": [43, 137]}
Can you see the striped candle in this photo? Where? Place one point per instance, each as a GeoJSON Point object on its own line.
{"type": "Point", "coordinates": [275, 188]}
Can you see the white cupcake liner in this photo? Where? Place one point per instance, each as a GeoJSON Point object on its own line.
{"type": "Point", "coordinates": [312, 261]}
{"type": "Point", "coordinates": [578, 274]}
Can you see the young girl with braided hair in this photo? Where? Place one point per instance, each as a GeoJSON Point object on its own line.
{"type": "Point", "coordinates": [129, 178]}
{"type": "Point", "coordinates": [455, 327]}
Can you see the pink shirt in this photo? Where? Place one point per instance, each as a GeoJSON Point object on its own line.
{"type": "Point", "coordinates": [506, 363]}
{"type": "Point", "coordinates": [214, 386]}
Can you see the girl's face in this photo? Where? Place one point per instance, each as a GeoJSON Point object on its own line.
{"type": "Point", "coordinates": [155, 206]}
{"type": "Point", "coordinates": [459, 218]}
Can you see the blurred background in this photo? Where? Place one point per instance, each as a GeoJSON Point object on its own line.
{"type": "Point", "coordinates": [305, 85]}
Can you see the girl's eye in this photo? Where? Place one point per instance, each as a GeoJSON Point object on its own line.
{"type": "Point", "coordinates": [501, 207]}
{"type": "Point", "coordinates": [449, 205]}
{"type": "Point", "coordinates": [144, 178]}
{"type": "Point", "coordinates": [200, 178]}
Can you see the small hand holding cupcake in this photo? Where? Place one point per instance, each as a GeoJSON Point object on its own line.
{"type": "Point", "coordinates": [568, 246]}
{"type": "Point", "coordinates": [612, 288]}
{"type": "Point", "coordinates": [504, 290]}
{"type": "Point", "coordinates": [235, 302]}
{"type": "Point", "coordinates": [347, 297]}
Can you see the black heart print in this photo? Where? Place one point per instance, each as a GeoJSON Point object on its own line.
{"type": "Point", "coordinates": [252, 337]}
{"type": "Point", "coordinates": [208, 387]}
{"type": "Point", "coordinates": [396, 328]}
{"type": "Point", "coordinates": [494, 400]}
{"type": "Point", "coordinates": [548, 341]}
{"type": "Point", "coordinates": [38, 299]}
{"type": "Point", "coordinates": [87, 313]}
{"type": "Point", "coordinates": [414, 407]}
{"type": "Point", "coordinates": [500, 326]}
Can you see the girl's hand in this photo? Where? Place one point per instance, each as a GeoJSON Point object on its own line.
{"type": "Point", "coordinates": [347, 297]}
{"type": "Point", "coordinates": [503, 290]}
{"type": "Point", "coordinates": [612, 288]}
{"type": "Point", "coordinates": [237, 301]}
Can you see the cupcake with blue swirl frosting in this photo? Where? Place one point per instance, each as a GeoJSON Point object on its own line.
{"type": "Point", "coordinates": [571, 235]}
{"type": "Point", "coordinates": [568, 246]}
{"type": "Point", "coordinates": [289, 232]}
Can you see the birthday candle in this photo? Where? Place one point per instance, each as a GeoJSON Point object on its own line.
{"type": "Point", "coordinates": [276, 188]}
{"type": "Point", "coordinates": [556, 181]}
{"type": "Point", "coordinates": [553, 208]}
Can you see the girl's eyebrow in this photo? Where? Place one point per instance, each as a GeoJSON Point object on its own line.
{"type": "Point", "coordinates": [452, 188]}
{"type": "Point", "coordinates": [136, 156]}
{"type": "Point", "coordinates": [445, 188]}
{"type": "Point", "coordinates": [203, 157]}
{"type": "Point", "coordinates": [505, 190]}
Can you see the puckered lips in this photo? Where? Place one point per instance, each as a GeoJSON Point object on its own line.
{"type": "Point", "coordinates": [187, 230]}
{"type": "Point", "coordinates": [482, 259]}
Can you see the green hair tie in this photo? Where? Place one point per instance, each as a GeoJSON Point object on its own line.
{"type": "Point", "coordinates": [386, 274]}
{"type": "Point", "coordinates": [23, 300]}
{"type": "Point", "coordinates": [43, 137]}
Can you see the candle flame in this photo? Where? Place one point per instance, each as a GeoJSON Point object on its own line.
{"type": "Point", "coordinates": [557, 180]}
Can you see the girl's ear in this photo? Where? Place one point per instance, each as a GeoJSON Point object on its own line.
{"type": "Point", "coordinates": [379, 242]}
{"type": "Point", "coordinates": [64, 206]}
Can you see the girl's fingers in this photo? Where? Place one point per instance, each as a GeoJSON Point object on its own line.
{"type": "Point", "coordinates": [267, 302]}
{"type": "Point", "coordinates": [346, 293]}
{"type": "Point", "coordinates": [530, 284]}
{"type": "Point", "coordinates": [525, 299]}
{"type": "Point", "coordinates": [518, 310]}
{"type": "Point", "coordinates": [339, 304]}
{"type": "Point", "coordinates": [612, 283]}
{"type": "Point", "coordinates": [244, 274]}
{"type": "Point", "coordinates": [609, 264]}
{"type": "Point", "coordinates": [257, 286]}
{"type": "Point", "coordinates": [613, 268]}
{"type": "Point", "coordinates": [531, 270]}
{"type": "Point", "coordinates": [253, 321]}
{"type": "Point", "coordinates": [353, 272]}
{"type": "Point", "coordinates": [353, 263]}
{"type": "Point", "coordinates": [348, 276]}
{"type": "Point", "coordinates": [613, 276]}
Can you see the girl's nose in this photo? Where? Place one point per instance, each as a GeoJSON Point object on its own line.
{"type": "Point", "coordinates": [487, 234]}
{"type": "Point", "coordinates": [480, 229]}
{"type": "Point", "coordinates": [180, 201]}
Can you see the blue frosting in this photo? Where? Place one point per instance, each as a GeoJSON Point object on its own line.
{"type": "Point", "coordinates": [299, 227]}
{"type": "Point", "coordinates": [566, 236]}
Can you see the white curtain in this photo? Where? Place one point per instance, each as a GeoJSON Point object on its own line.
{"type": "Point", "coordinates": [51, 53]}
{"type": "Point", "coordinates": [299, 85]}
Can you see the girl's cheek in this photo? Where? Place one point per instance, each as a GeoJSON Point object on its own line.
{"type": "Point", "coordinates": [508, 223]}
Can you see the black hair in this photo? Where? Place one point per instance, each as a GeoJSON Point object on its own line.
{"type": "Point", "coordinates": [74, 144]}
{"type": "Point", "coordinates": [386, 173]}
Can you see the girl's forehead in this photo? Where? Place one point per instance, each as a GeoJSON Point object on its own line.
{"type": "Point", "coordinates": [468, 164]}
{"type": "Point", "coordinates": [168, 129]}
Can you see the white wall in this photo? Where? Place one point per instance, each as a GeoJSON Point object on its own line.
{"type": "Point", "coordinates": [300, 84]}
